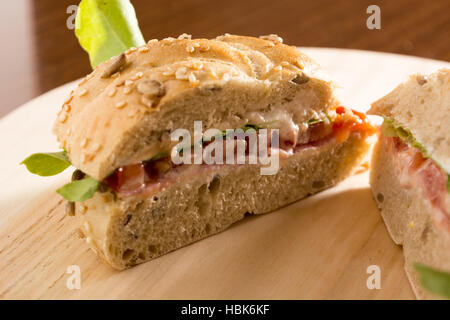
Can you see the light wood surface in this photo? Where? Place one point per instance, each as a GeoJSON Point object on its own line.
{"type": "Point", "coordinates": [316, 248]}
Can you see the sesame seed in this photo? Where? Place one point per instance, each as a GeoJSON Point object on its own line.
{"type": "Point", "coordinates": [146, 102]}
{"type": "Point", "coordinates": [184, 36]}
{"type": "Point", "coordinates": [68, 99]}
{"type": "Point", "coordinates": [213, 74]}
{"type": "Point", "coordinates": [168, 73]}
{"type": "Point", "coordinates": [131, 50]}
{"type": "Point", "coordinates": [88, 240]}
{"type": "Point", "coordinates": [84, 142]}
{"type": "Point", "coordinates": [83, 92]}
{"type": "Point", "coordinates": [181, 73]}
{"type": "Point", "coordinates": [278, 68]}
{"type": "Point", "coordinates": [204, 48]}
{"type": "Point", "coordinates": [226, 77]}
{"type": "Point", "coordinates": [87, 227]}
{"type": "Point", "coordinates": [143, 49]}
{"type": "Point", "coordinates": [62, 117]}
{"type": "Point", "coordinates": [192, 77]}
{"type": "Point", "coordinates": [196, 44]}
{"type": "Point", "coordinates": [126, 90]}
{"type": "Point", "coordinates": [138, 75]}
{"type": "Point", "coordinates": [152, 41]}
{"type": "Point", "coordinates": [95, 147]}
{"type": "Point", "coordinates": [129, 83]}
{"type": "Point", "coordinates": [285, 63]}
{"type": "Point", "coordinates": [121, 104]}
{"type": "Point", "coordinates": [272, 37]}
{"type": "Point", "coordinates": [298, 64]}
{"type": "Point", "coordinates": [197, 65]}
{"type": "Point", "coordinates": [82, 81]}
{"type": "Point", "coordinates": [115, 75]}
{"type": "Point", "coordinates": [112, 92]}
{"type": "Point", "coordinates": [190, 49]}
{"type": "Point", "coordinates": [66, 107]}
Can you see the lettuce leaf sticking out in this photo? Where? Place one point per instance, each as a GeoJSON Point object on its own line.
{"type": "Point", "coordinates": [107, 28]}
{"type": "Point", "coordinates": [435, 281]}
{"type": "Point", "coordinates": [79, 190]}
{"type": "Point", "coordinates": [47, 164]}
{"type": "Point", "coordinates": [53, 163]}
{"type": "Point", "coordinates": [392, 129]}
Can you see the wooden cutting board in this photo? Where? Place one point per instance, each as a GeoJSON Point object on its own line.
{"type": "Point", "coordinates": [318, 248]}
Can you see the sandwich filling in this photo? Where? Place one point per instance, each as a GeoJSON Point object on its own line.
{"type": "Point", "coordinates": [420, 172]}
{"type": "Point", "coordinates": [150, 176]}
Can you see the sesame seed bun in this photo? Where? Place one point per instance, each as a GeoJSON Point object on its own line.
{"type": "Point", "coordinates": [118, 113]}
{"type": "Point", "coordinates": [422, 105]}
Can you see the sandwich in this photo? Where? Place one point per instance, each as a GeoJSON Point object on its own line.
{"type": "Point", "coordinates": [134, 202]}
{"type": "Point", "coordinates": [410, 177]}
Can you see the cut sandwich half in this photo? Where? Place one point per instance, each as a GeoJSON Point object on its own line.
{"type": "Point", "coordinates": [134, 202]}
{"type": "Point", "coordinates": [410, 174]}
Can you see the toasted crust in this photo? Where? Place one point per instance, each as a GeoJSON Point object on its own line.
{"type": "Point", "coordinates": [406, 214]}
{"type": "Point", "coordinates": [422, 105]}
{"type": "Point", "coordinates": [127, 103]}
{"type": "Point", "coordinates": [132, 230]}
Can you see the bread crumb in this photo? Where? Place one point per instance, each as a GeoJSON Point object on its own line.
{"type": "Point", "coordinates": [83, 208]}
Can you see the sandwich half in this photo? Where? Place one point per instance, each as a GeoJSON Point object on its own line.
{"type": "Point", "coordinates": [115, 129]}
{"type": "Point", "coordinates": [410, 171]}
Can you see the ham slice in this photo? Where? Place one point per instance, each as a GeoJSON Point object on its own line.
{"type": "Point", "coordinates": [417, 171]}
{"type": "Point", "coordinates": [152, 176]}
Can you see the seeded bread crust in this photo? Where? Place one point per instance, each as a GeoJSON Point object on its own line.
{"type": "Point", "coordinates": [422, 105]}
{"type": "Point", "coordinates": [406, 214]}
{"type": "Point", "coordinates": [127, 104]}
{"type": "Point", "coordinates": [128, 231]}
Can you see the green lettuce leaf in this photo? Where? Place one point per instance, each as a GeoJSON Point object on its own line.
{"type": "Point", "coordinates": [435, 281]}
{"type": "Point", "coordinates": [314, 121]}
{"type": "Point", "coordinates": [107, 28]}
{"type": "Point", "coordinates": [390, 128]}
{"type": "Point", "coordinates": [79, 190]}
{"type": "Point", "coordinates": [47, 164]}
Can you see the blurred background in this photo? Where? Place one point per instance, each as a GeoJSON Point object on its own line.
{"type": "Point", "coordinates": [40, 53]}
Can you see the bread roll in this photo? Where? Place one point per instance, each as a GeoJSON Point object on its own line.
{"type": "Point", "coordinates": [122, 112]}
